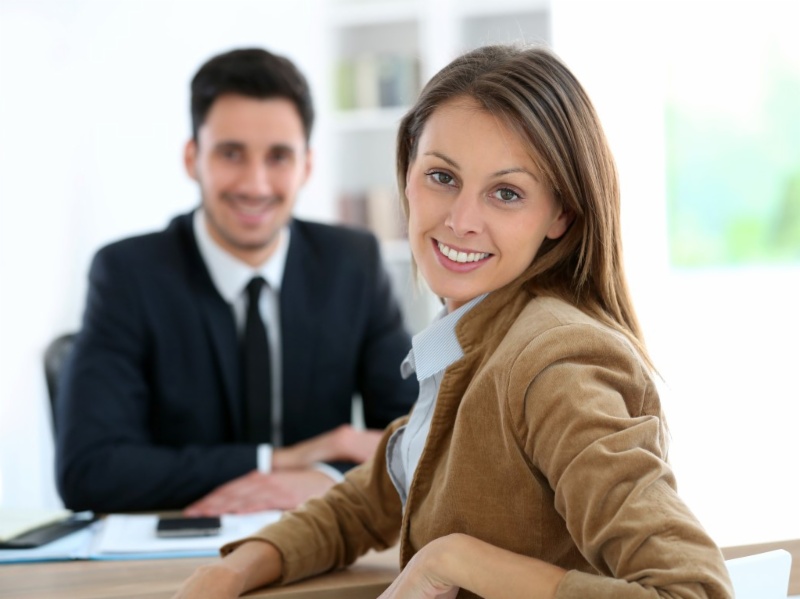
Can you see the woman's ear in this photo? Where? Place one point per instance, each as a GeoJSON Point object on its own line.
{"type": "Point", "coordinates": [560, 225]}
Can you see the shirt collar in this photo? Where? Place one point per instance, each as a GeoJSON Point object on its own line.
{"type": "Point", "coordinates": [230, 275]}
{"type": "Point", "coordinates": [437, 347]}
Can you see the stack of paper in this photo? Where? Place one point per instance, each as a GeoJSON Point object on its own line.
{"type": "Point", "coordinates": [126, 537]}
{"type": "Point", "coordinates": [120, 536]}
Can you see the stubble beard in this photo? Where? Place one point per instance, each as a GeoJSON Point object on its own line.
{"type": "Point", "coordinates": [231, 239]}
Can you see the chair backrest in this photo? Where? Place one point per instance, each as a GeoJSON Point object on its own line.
{"type": "Point", "coordinates": [55, 355]}
{"type": "Point", "coordinates": [761, 576]}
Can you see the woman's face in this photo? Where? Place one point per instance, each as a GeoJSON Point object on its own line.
{"type": "Point", "coordinates": [478, 207]}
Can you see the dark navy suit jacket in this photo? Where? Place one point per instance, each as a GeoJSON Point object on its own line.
{"type": "Point", "coordinates": [149, 410]}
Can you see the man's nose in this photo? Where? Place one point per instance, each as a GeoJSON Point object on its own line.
{"type": "Point", "coordinates": [257, 180]}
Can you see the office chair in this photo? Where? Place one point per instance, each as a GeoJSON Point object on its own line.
{"type": "Point", "coordinates": [55, 356]}
{"type": "Point", "coordinates": [761, 576]}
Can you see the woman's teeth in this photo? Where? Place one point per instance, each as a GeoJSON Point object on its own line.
{"type": "Point", "coordinates": [462, 257]}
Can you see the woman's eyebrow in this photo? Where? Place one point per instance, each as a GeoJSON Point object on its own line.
{"type": "Point", "coordinates": [448, 160]}
{"type": "Point", "coordinates": [500, 173]}
{"type": "Point", "coordinates": [515, 169]}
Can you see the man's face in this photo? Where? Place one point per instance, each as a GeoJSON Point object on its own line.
{"type": "Point", "coordinates": [250, 160]}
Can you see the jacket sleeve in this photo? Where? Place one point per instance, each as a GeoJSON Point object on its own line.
{"type": "Point", "coordinates": [107, 459]}
{"type": "Point", "coordinates": [590, 420]}
{"type": "Point", "coordinates": [361, 513]}
{"type": "Point", "coordinates": [386, 343]}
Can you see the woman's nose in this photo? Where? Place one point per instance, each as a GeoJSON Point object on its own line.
{"type": "Point", "coordinates": [465, 215]}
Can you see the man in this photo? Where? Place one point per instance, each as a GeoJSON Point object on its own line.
{"type": "Point", "coordinates": [165, 403]}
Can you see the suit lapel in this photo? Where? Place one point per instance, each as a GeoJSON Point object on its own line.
{"type": "Point", "coordinates": [299, 289]}
{"type": "Point", "coordinates": [219, 322]}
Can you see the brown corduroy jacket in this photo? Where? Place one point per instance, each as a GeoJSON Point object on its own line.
{"type": "Point", "coordinates": [547, 440]}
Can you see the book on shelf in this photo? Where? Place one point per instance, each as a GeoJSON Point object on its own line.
{"type": "Point", "coordinates": [366, 72]}
{"type": "Point", "coordinates": [352, 208]}
{"type": "Point", "coordinates": [369, 81]}
{"type": "Point", "coordinates": [384, 213]}
{"type": "Point", "coordinates": [345, 85]}
{"type": "Point", "coordinates": [377, 209]}
{"type": "Point", "coordinates": [398, 80]}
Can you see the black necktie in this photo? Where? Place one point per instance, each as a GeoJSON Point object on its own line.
{"type": "Point", "coordinates": [257, 379]}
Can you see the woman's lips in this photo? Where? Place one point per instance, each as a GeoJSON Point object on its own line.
{"type": "Point", "coordinates": [459, 260]}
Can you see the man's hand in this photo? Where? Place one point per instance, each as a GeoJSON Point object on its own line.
{"type": "Point", "coordinates": [293, 479]}
{"type": "Point", "coordinates": [343, 443]}
{"type": "Point", "coordinates": [256, 491]}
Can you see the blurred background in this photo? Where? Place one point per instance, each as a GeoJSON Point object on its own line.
{"type": "Point", "coordinates": [700, 100]}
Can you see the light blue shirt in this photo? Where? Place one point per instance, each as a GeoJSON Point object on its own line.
{"type": "Point", "coordinates": [432, 351]}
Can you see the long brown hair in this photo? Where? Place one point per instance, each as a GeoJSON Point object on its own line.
{"type": "Point", "coordinates": [537, 96]}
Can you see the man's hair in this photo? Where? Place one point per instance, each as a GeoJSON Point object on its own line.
{"type": "Point", "coordinates": [251, 72]}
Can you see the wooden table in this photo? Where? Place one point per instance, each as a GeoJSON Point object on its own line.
{"type": "Point", "coordinates": [158, 579]}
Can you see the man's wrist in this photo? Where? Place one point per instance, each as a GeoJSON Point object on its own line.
{"type": "Point", "coordinates": [264, 458]}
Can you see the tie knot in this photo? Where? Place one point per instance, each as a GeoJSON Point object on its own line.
{"type": "Point", "coordinates": [254, 289]}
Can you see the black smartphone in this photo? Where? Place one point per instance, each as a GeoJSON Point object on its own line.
{"type": "Point", "coordinates": [172, 527]}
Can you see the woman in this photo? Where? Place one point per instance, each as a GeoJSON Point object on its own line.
{"type": "Point", "coordinates": [534, 462]}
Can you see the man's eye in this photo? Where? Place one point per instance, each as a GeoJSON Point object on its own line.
{"type": "Point", "coordinates": [279, 156]}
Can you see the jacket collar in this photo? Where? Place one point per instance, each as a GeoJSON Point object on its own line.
{"type": "Point", "coordinates": [490, 319]}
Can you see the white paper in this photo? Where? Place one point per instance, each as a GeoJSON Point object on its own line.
{"type": "Point", "coordinates": [123, 534]}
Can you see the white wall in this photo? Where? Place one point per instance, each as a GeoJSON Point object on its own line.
{"type": "Point", "coordinates": [726, 341]}
{"type": "Point", "coordinates": [93, 117]}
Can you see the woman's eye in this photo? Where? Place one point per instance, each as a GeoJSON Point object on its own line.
{"type": "Point", "coordinates": [506, 195]}
{"type": "Point", "coordinates": [442, 178]}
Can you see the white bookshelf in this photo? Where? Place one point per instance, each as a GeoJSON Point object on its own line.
{"type": "Point", "coordinates": [368, 119]}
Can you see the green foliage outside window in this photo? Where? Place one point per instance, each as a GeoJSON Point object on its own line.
{"type": "Point", "coordinates": [733, 154]}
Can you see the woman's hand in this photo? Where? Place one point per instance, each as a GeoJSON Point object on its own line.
{"type": "Point", "coordinates": [457, 561]}
{"type": "Point", "coordinates": [212, 582]}
{"type": "Point", "coordinates": [251, 565]}
{"type": "Point", "coordinates": [425, 575]}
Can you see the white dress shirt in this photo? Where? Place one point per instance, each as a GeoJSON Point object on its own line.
{"type": "Point", "coordinates": [230, 277]}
